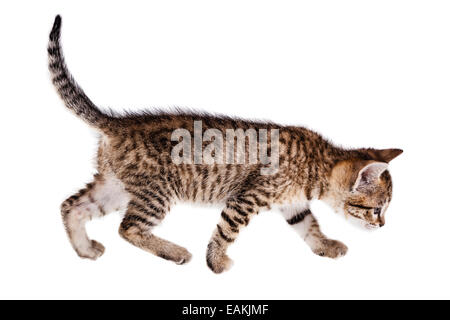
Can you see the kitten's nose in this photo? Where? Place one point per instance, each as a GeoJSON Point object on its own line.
{"type": "Point", "coordinates": [381, 224]}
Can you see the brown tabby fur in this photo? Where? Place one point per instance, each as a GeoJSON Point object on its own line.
{"type": "Point", "coordinates": [136, 173]}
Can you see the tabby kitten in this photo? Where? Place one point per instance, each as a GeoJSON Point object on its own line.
{"type": "Point", "coordinates": [137, 173]}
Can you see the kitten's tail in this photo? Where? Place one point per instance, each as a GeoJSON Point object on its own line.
{"type": "Point", "coordinates": [72, 95]}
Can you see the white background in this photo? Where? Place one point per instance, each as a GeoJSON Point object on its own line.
{"type": "Point", "coordinates": [363, 73]}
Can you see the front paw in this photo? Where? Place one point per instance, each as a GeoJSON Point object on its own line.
{"type": "Point", "coordinates": [220, 264]}
{"type": "Point", "coordinates": [330, 248]}
{"type": "Point", "coordinates": [217, 260]}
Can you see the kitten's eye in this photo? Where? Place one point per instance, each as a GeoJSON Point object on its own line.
{"type": "Point", "coordinates": [377, 211]}
{"type": "Point", "coordinates": [360, 206]}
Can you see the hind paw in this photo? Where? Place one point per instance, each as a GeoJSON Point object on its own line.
{"type": "Point", "coordinates": [179, 255]}
{"type": "Point", "coordinates": [94, 251]}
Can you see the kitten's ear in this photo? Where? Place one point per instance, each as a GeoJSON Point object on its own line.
{"type": "Point", "coordinates": [384, 155]}
{"type": "Point", "coordinates": [369, 175]}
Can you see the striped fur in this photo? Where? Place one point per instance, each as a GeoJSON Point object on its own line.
{"type": "Point", "coordinates": [299, 217]}
{"type": "Point", "coordinates": [136, 173]}
{"type": "Point", "coordinates": [72, 95]}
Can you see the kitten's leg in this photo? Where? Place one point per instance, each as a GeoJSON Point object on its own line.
{"type": "Point", "coordinates": [304, 223]}
{"type": "Point", "coordinates": [146, 209]}
{"type": "Point", "coordinates": [104, 195]}
{"type": "Point", "coordinates": [236, 215]}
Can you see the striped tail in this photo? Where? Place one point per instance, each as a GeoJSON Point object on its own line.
{"type": "Point", "coordinates": [72, 95]}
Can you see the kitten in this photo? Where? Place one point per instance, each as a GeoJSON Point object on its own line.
{"type": "Point", "coordinates": [140, 170]}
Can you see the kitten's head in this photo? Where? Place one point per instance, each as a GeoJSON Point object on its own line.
{"type": "Point", "coordinates": [362, 189]}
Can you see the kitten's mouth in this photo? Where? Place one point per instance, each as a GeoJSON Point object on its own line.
{"type": "Point", "coordinates": [371, 226]}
